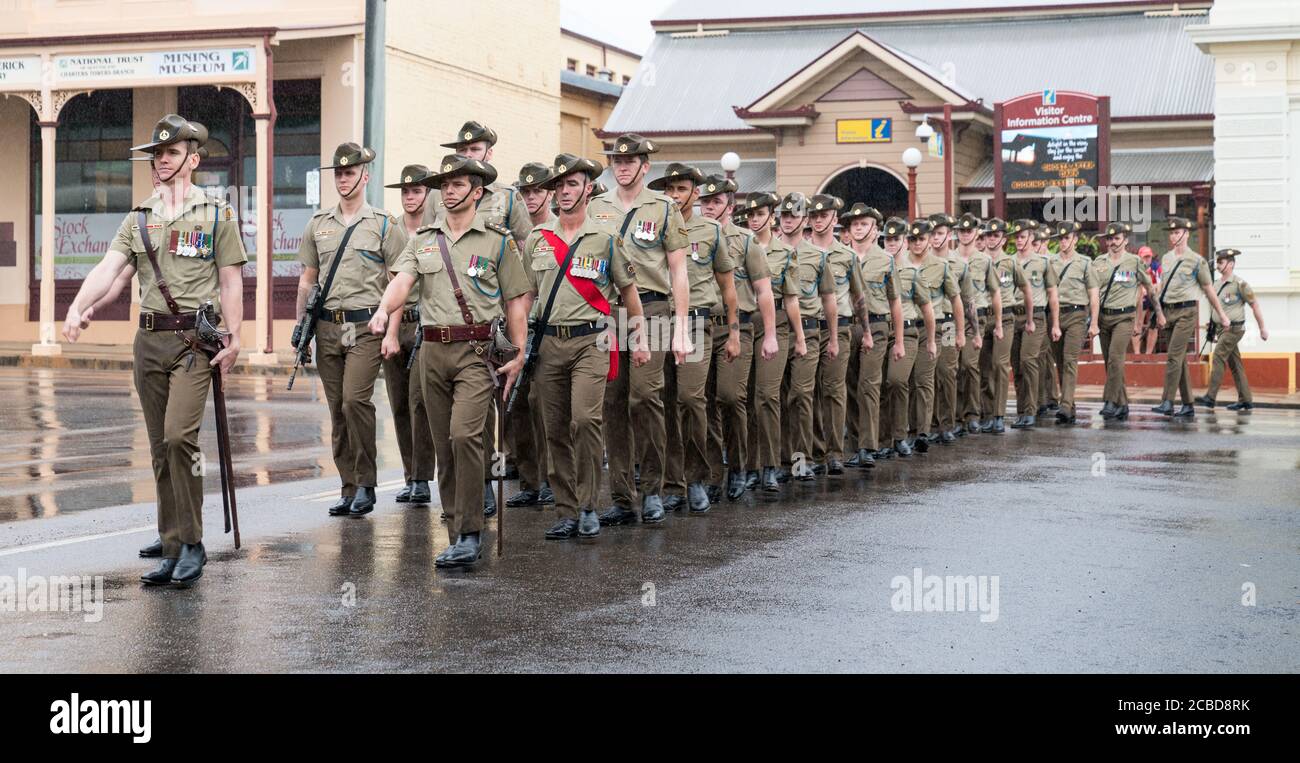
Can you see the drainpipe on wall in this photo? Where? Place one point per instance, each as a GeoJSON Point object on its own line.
{"type": "Point", "coordinates": [374, 98]}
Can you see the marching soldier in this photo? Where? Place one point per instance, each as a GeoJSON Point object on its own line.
{"type": "Point", "coordinates": [1077, 289]}
{"type": "Point", "coordinates": [917, 310]}
{"type": "Point", "coordinates": [832, 368]}
{"type": "Point", "coordinates": [1120, 276]}
{"type": "Point", "coordinates": [1185, 272]}
{"type": "Point", "coordinates": [817, 304]}
{"type": "Point", "coordinates": [936, 277]}
{"type": "Point", "coordinates": [526, 429]}
{"type": "Point", "coordinates": [1049, 388]}
{"type": "Point", "coordinates": [349, 250]}
{"type": "Point", "coordinates": [1026, 349]}
{"type": "Point", "coordinates": [950, 348]}
{"type": "Point", "coordinates": [654, 236]}
{"type": "Point", "coordinates": [767, 411]}
{"type": "Point", "coordinates": [469, 274]}
{"type": "Point", "coordinates": [576, 267]}
{"type": "Point", "coordinates": [884, 308]}
{"type": "Point", "coordinates": [410, 420]}
{"type": "Point", "coordinates": [730, 382]}
{"type": "Point", "coordinates": [1234, 294]}
{"type": "Point", "coordinates": [501, 204]}
{"type": "Point", "coordinates": [995, 359]}
{"type": "Point", "coordinates": [984, 309]}
{"type": "Point", "coordinates": [186, 248]}
{"type": "Point", "coordinates": [709, 271]}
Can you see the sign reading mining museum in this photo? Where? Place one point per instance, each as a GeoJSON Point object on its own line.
{"type": "Point", "coordinates": [76, 68]}
{"type": "Point", "coordinates": [1050, 138]}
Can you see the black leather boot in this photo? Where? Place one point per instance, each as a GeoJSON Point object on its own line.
{"type": "Point", "coordinates": [697, 498]}
{"type": "Point", "coordinates": [673, 502]}
{"type": "Point", "coordinates": [489, 501]}
{"type": "Point", "coordinates": [162, 575]}
{"type": "Point", "coordinates": [404, 495]}
{"type": "Point", "coordinates": [526, 497]}
{"type": "Point", "coordinates": [1109, 410]}
{"type": "Point", "coordinates": [619, 515]}
{"type": "Point", "coordinates": [563, 530]}
{"type": "Point", "coordinates": [152, 551]}
{"type": "Point", "coordinates": [465, 553]}
{"type": "Point", "coordinates": [714, 492]}
{"type": "Point", "coordinates": [998, 426]}
{"type": "Point", "coordinates": [189, 567]}
{"type": "Point", "coordinates": [342, 506]}
{"type": "Point", "coordinates": [751, 480]}
{"type": "Point", "coordinates": [865, 459]}
{"type": "Point", "coordinates": [546, 496]}
{"type": "Point", "coordinates": [652, 509]}
{"type": "Point", "coordinates": [588, 524]}
{"type": "Point", "coordinates": [770, 483]}
{"type": "Point", "coordinates": [1186, 411]}
{"type": "Point", "coordinates": [1166, 408]}
{"type": "Point", "coordinates": [420, 493]}
{"type": "Point", "coordinates": [1241, 406]}
{"type": "Point", "coordinates": [735, 486]}
{"type": "Point", "coordinates": [902, 448]}
{"type": "Point", "coordinates": [1205, 401]}
{"type": "Point", "coordinates": [363, 503]}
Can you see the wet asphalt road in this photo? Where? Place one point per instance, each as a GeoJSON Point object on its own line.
{"type": "Point", "coordinates": [1116, 548]}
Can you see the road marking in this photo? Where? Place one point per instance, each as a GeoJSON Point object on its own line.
{"type": "Point", "coordinates": [70, 541]}
{"type": "Point", "coordinates": [330, 495]}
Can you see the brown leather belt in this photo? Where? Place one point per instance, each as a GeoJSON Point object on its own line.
{"type": "Point", "coordinates": [349, 316]}
{"type": "Point", "coordinates": [166, 321]}
{"type": "Point", "coordinates": [479, 332]}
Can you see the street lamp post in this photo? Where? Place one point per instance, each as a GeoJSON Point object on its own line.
{"type": "Point", "coordinates": [730, 163]}
{"type": "Point", "coordinates": [912, 159]}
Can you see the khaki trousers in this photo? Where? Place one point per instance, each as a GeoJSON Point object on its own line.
{"type": "Point", "coordinates": [458, 396]}
{"type": "Point", "coordinates": [173, 393]}
{"type": "Point", "coordinates": [831, 393]}
{"type": "Point", "coordinates": [945, 378]}
{"type": "Point", "coordinates": [728, 398]}
{"type": "Point", "coordinates": [1180, 329]}
{"type": "Point", "coordinates": [1049, 387]}
{"type": "Point", "coordinates": [1074, 327]}
{"type": "Point", "coordinates": [968, 372]}
{"type": "Point", "coordinates": [1026, 350]}
{"type": "Point", "coordinates": [348, 359]}
{"type": "Point", "coordinates": [686, 416]}
{"type": "Point", "coordinates": [1227, 353]}
{"type": "Point", "coordinates": [922, 388]}
{"type": "Point", "coordinates": [414, 441]}
{"type": "Point", "coordinates": [871, 367]}
{"type": "Point", "coordinates": [766, 411]}
{"type": "Point", "coordinates": [634, 414]}
{"type": "Point", "coordinates": [898, 385]}
{"type": "Point", "coordinates": [798, 424]}
{"type": "Point", "coordinates": [853, 397]}
{"type": "Point", "coordinates": [526, 430]}
{"type": "Point", "coordinates": [571, 387]}
{"type": "Point", "coordinates": [995, 367]}
{"type": "Point", "coordinates": [1116, 332]}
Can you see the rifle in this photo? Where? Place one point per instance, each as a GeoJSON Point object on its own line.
{"type": "Point", "coordinates": [530, 363]}
{"type": "Point", "coordinates": [304, 332]}
{"type": "Point", "coordinates": [415, 350]}
{"type": "Point", "coordinates": [211, 340]}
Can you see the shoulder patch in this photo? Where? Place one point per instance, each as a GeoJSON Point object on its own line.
{"type": "Point", "coordinates": [499, 228]}
{"type": "Point", "coordinates": [425, 228]}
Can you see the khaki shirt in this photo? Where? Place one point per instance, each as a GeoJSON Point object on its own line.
{"type": "Point", "coordinates": [1125, 277]}
{"type": "Point", "coordinates": [655, 230]}
{"type": "Point", "coordinates": [960, 269]}
{"type": "Point", "coordinates": [879, 279]}
{"type": "Point", "coordinates": [1185, 285]}
{"type": "Point", "coordinates": [813, 279]}
{"type": "Point", "coordinates": [843, 264]}
{"type": "Point", "coordinates": [1074, 278]}
{"type": "Point", "coordinates": [1041, 277]}
{"type": "Point", "coordinates": [487, 247]}
{"type": "Point", "coordinates": [983, 281]}
{"type": "Point", "coordinates": [191, 247]}
{"type": "Point", "coordinates": [372, 252]}
{"type": "Point", "coordinates": [910, 290]}
{"type": "Point", "coordinates": [750, 262]}
{"type": "Point", "coordinates": [1010, 279]}
{"type": "Point", "coordinates": [706, 254]}
{"type": "Point", "coordinates": [501, 204]}
{"type": "Point", "coordinates": [937, 277]}
{"type": "Point", "coordinates": [1234, 295]}
{"type": "Point", "coordinates": [783, 264]}
{"type": "Point", "coordinates": [598, 257]}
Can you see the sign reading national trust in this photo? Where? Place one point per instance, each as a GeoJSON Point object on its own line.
{"type": "Point", "coordinates": [1050, 138]}
{"type": "Point", "coordinates": [77, 68]}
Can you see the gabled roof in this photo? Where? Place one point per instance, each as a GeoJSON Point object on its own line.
{"type": "Point", "coordinates": [1147, 65]}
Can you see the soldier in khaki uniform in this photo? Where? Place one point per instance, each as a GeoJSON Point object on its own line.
{"type": "Point", "coordinates": [1184, 274]}
{"type": "Point", "coordinates": [410, 420]}
{"type": "Point", "coordinates": [832, 369]}
{"type": "Point", "coordinates": [196, 242]}
{"type": "Point", "coordinates": [1120, 275]}
{"type": "Point", "coordinates": [347, 357]}
{"type": "Point", "coordinates": [729, 383]}
{"type": "Point", "coordinates": [950, 347]}
{"type": "Point", "coordinates": [767, 410]}
{"type": "Point", "coordinates": [1076, 285]}
{"type": "Point", "coordinates": [995, 360]}
{"type": "Point", "coordinates": [884, 309]}
{"type": "Point", "coordinates": [936, 277]}
{"type": "Point", "coordinates": [709, 270]}
{"type": "Point", "coordinates": [1026, 349]}
{"type": "Point", "coordinates": [817, 304]}
{"type": "Point", "coordinates": [1234, 294]}
{"type": "Point", "coordinates": [908, 245]}
{"type": "Point", "coordinates": [501, 204]}
{"type": "Point", "coordinates": [654, 236]}
{"type": "Point", "coordinates": [1049, 387]}
{"type": "Point", "coordinates": [526, 429]}
{"type": "Point", "coordinates": [574, 355]}
{"type": "Point", "coordinates": [468, 273]}
{"type": "Point", "coordinates": [983, 309]}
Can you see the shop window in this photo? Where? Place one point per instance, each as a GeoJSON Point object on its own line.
{"type": "Point", "coordinates": [591, 70]}
{"type": "Point", "coordinates": [572, 64]}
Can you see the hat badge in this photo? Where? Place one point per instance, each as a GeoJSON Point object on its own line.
{"type": "Point", "coordinates": [343, 161]}
{"type": "Point", "coordinates": [468, 135]}
{"type": "Point", "coordinates": [164, 135]}
{"type": "Point", "coordinates": [622, 147]}
{"type": "Point", "coordinates": [916, 230]}
{"type": "Point", "coordinates": [675, 173]}
{"type": "Point", "coordinates": [819, 205]}
{"type": "Point", "coordinates": [712, 187]}
{"type": "Point", "coordinates": [406, 179]}
{"type": "Point", "coordinates": [528, 178]}
{"type": "Point", "coordinates": [446, 167]}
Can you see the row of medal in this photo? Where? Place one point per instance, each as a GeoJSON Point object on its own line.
{"type": "Point", "coordinates": [478, 266]}
{"type": "Point", "coordinates": [588, 267]}
{"type": "Point", "coordinates": [190, 243]}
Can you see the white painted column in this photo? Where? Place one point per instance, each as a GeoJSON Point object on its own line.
{"type": "Point", "coordinates": [48, 344]}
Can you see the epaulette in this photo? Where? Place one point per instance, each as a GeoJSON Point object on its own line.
{"type": "Point", "coordinates": [499, 228]}
{"type": "Point", "coordinates": [321, 211]}
{"type": "Point", "coordinates": [425, 228]}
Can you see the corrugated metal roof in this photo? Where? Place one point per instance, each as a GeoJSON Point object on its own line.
{"type": "Point", "coordinates": [1140, 166]}
{"type": "Point", "coordinates": [730, 9]}
{"type": "Point", "coordinates": [754, 175]}
{"type": "Point", "coordinates": [590, 83]}
{"type": "Point", "coordinates": [1148, 66]}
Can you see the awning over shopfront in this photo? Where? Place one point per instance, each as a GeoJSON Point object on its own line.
{"type": "Point", "coordinates": [1167, 167]}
